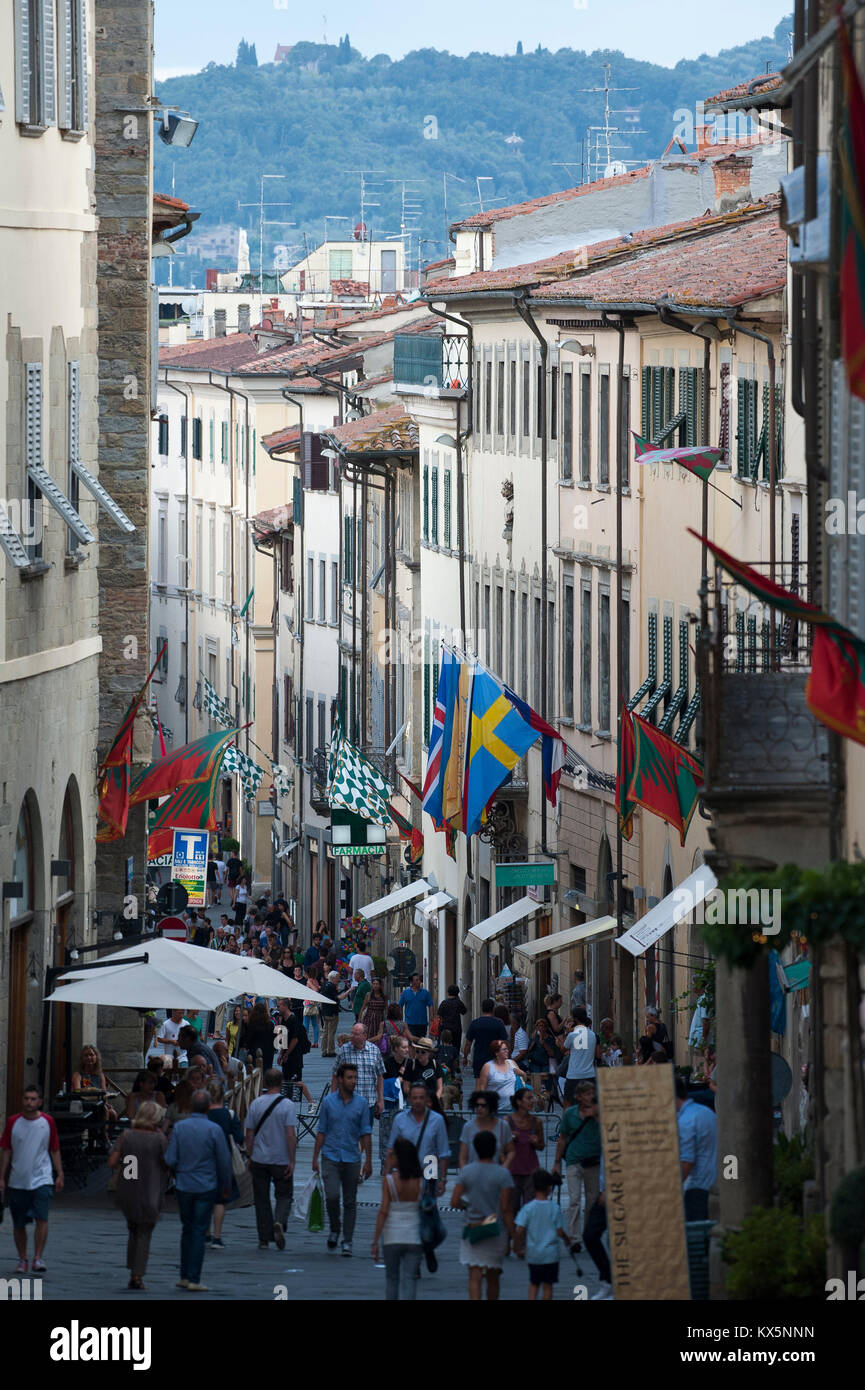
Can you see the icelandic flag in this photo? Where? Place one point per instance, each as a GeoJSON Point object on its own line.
{"type": "Point", "coordinates": [553, 747]}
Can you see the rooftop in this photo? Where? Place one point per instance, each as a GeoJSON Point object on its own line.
{"type": "Point", "coordinates": [288, 438]}
{"type": "Point", "coordinates": [386, 431]}
{"type": "Point", "coordinates": [275, 519]}
{"type": "Point", "coordinates": [753, 89]}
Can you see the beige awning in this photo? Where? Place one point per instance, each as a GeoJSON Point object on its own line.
{"type": "Point", "coordinates": [532, 951]}
{"type": "Point", "coordinates": [493, 926]}
{"type": "Point", "coordinates": [396, 899]}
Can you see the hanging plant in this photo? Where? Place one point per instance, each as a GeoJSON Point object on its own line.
{"type": "Point", "coordinates": [817, 905]}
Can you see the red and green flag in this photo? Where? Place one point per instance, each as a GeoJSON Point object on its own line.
{"type": "Point", "coordinates": [699, 459]}
{"type": "Point", "coordinates": [659, 775]}
{"type": "Point", "coordinates": [115, 774]}
{"type": "Point", "coordinates": [194, 762]}
{"type": "Point", "coordinates": [852, 219]}
{"type": "Point", "coordinates": [193, 807]}
{"type": "Point", "coordinates": [624, 805]}
{"type": "Point", "coordinates": [444, 826]}
{"type": "Point", "coordinates": [408, 832]}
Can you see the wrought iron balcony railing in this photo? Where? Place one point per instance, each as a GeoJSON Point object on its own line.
{"type": "Point", "coordinates": [431, 362]}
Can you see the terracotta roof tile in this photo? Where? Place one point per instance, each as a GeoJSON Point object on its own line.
{"type": "Point", "coordinates": [228, 353]}
{"type": "Point", "coordinates": [382, 432]}
{"type": "Point", "coordinates": [274, 519]}
{"type": "Point", "coordinates": [766, 82]}
{"type": "Point", "coordinates": [282, 439]}
{"type": "Point", "coordinates": [164, 201]}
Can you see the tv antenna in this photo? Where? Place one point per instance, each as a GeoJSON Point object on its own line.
{"type": "Point", "coordinates": [262, 223]}
{"type": "Point", "coordinates": [603, 133]}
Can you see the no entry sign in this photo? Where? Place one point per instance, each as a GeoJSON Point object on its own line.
{"type": "Point", "coordinates": [173, 928]}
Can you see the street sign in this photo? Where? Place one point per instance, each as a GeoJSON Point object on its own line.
{"type": "Point", "coordinates": [173, 928]}
{"type": "Point", "coordinates": [190, 863]}
{"type": "Point", "coordinates": [172, 897]}
{"type": "Point", "coordinates": [523, 875]}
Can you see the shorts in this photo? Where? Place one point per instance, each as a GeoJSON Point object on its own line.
{"type": "Point", "coordinates": [544, 1274]}
{"type": "Point", "coordinates": [29, 1204]}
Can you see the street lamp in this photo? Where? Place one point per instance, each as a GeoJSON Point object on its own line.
{"type": "Point", "coordinates": [177, 129]}
{"type": "Point", "coordinates": [581, 349]}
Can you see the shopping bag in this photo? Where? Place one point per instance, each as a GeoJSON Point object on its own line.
{"type": "Point", "coordinates": [303, 1198]}
{"type": "Point", "coordinates": [316, 1207]}
{"type": "Point", "coordinates": [241, 1175]}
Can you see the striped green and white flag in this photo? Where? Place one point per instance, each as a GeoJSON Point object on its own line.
{"type": "Point", "coordinates": [282, 779]}
{"type": "Point", "coordinates": [247, 769]}
{"type": "Point", "coordinates": [215, 707]}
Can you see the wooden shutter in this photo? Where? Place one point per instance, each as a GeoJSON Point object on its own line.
{"type": "Point", "coordinates": [23, 113]}
{"type": "Point", "coordinates": [646, 403]}
{"type": "Point", "coordinates": [48, 53]}
{"type": "Point", "coordinates": [434, 528]}
{"type": "Point", "coordinates": [724, 426]}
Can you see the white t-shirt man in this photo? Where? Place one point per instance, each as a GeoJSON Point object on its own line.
{"type": "Point", "coordinates": [269, 1144]}
{"type": "Point", "coordinates": [521, 1041]}
{"type": "Point", "coordinates": [169, 1032]}
{"type": "Point", "coordinates": [581, 1044]}
{"type": "Point", "coordinates": [359, 961]}
{"type": "Point", "coordinates": [32, 1142]}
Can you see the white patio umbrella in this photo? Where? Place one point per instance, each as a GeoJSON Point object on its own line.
{"type": "Point", "coordinates": [232, 974]}
{"type": "Point", "coordinates": [141, 986]}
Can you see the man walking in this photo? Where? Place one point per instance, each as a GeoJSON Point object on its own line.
{"type": "Point", "coordinates": [580, 1145]}
{"type": "Point", "coordinates": [367, 1060]}
{"type": "Point", "coordinates": [198, 1153]}
{"type": "Point", "coordinates": [271, 1144]}
{"type": "Point", "coordinates": [344, 1130]}
{"type": "Point", "coordinates": [426, 1130]}
{"type": "Point", "coordinates": [233, 871]}
{"type": "Point", "coordinates": [578, 993]}
{"type": "Point", "coordinates": [698, 1152]}
{"type": "Point", "coordinates": [31, 1144]}
{"type": "Point", "coordinates": [416, 1003]}
{"type": "Point", "coordinates": [584, 1049]}
{"type": "Point", "coordinates": [481, 1032]}
{"type": "Point", "coordinates": [329, 1012]}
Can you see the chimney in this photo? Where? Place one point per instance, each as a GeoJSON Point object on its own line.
{"type": "Point", "coordinates": [219, 323]}
{"type": "Point", "coordinates": [243, 318]}
{"type": "Point", "coordinates": [702, 133]}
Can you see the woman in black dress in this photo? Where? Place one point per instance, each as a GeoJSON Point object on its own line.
{"type": "Point", "coordinates": [259, 1035]}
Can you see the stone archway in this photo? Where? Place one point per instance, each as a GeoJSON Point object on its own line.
{"type": "Point", "coordinates": [26, 953]}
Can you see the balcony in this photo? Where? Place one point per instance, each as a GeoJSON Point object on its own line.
{"type": "Point", "coordinates": [431, 364]}
{"type": "Point", "coordinates": [766, 758]}
{"type": "Point", "coordinates": [384, 764]}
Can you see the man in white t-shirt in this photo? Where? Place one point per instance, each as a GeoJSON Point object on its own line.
{"type": "Point", "coordinates": [271, 1143]}
{"type": "Point", "coordinates": [361, 961]}
{"type": "Point", "coordinates": [585, 1050]}
{"type": "Point", "coordinates": [30, 1153]}
{"type": "Point", "coordinates": [168, 1034]}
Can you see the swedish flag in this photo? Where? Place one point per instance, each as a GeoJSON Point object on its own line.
{"type": "Point", "coordinates": [498, 736]}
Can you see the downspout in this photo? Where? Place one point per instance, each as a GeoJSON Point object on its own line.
{"type": "Point", "coordinates": [770, 352]}
{"type": "Point", "coordinates": [186, 702]}
{"type": "Point", "coordinates": [300, 635]}
{"type": "Point", "coordinates": [460, 438]}
{"type": "Point", "coordinates": [521, 308]}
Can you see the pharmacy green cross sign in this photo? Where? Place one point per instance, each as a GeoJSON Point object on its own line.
{"type": "Point", "coordinates": [524, 875]}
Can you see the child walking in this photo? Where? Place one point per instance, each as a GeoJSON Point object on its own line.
{"type": "Point", "coordinates": [538, 1231]}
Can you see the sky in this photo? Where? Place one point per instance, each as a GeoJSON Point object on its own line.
{"type": "Point", "coordinates": [191, 33]}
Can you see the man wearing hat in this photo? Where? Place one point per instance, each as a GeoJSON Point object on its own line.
{"type": "Point", "coordinates": [425, 1069]}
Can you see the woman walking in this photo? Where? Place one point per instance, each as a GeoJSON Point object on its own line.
{"type": "Point", "coordinates": [232, 1031]}
{"type": "Point", "coordinates": [310, 1014]}
{"type": "Point", "coordinates": [141, 1188]}
{"type": "Point", "coordinates": [259, 1035]}
{"type": "Point", "coordinates": [373, 1013]}
{"type": "Point", "coordinates": [500, 1074]}
{"type": "Point", "coordinates": [398, 1223]}
{"type": "Point", "coordinates": [528, 1138]}
{"type": "Point", "coordinates": [485, 1106]}
{"type": "Point", "coordinates": [230, 1125]}
{"type": "Point", "coordinates": [484, 1188]}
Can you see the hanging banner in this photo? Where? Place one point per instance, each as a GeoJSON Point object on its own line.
{"type": "Point", "coordinates": [643, 1184]}
{"type": "Point", "coordinates": [189, 863]}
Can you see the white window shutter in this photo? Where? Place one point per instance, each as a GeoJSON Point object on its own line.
{"type": "Point", "coordinates": [81, 56]}
{"type": "Point", "coordinates": [22, 62]}
{"type": "Point", "coordinates": [33, 414]}
{"type": "Point", "coordinates": [48, 49]}
{"type": "Point", "coordinates": [65, 105]}
{"type": "Point", "coordinates": [74, 413]}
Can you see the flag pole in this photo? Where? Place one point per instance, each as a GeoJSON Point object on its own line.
{"type": "Point", "coordinates": [137, 701]}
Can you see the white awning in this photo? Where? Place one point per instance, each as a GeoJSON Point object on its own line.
{"type": "Point", "coordinates": [395, 899]}
{"type": "Point", "coordinates": [532, 951]}
{"type": "Point", "coordinates": [428, 907]}
{"type": "Point", "coordinates": [672, 909]}
{"type": "Point", "coordinates": [493, 926]}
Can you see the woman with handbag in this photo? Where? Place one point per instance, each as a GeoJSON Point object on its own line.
{"type": "Point", "coordinates": [484, 1188]}
{"type": "Point", "coordinates": [230, 1125]}
{"type": "Point", "coordinates": [140, 1186]}
{"type": "Point", "coordinates": [501, 1075]}
{"type": "Point", "coordinates": [398, 1223]}
{"type": "Point", "coordinates": [528, 1136]}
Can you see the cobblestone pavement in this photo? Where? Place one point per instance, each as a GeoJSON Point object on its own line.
{"type": "Point", "coordinates": [85, 1254]}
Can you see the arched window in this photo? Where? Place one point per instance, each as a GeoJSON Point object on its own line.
{"type": "Point", "coordinates": [22, 865]}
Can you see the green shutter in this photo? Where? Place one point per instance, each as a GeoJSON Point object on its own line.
{"type": "Point", "coordinates": [347, 559]}
{"type": "Point", "coordinates": [447, 518]}
{"type": "Point", "coordinates": [779, 432]}
{"type": "Point", "coordinates": [646, 402]}
{"type": "Point", "coordinates": [426, 719]}
{"type": "Point", "coordinates": [434, 529]}
{"type": "Point", "coordinates": [426, 502]}
{"type": "Point", "coordinates": [741, 427]}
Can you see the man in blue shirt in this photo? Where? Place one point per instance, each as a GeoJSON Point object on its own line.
{"type": "Point", "coordinates": [425, 1128]}
{"type": "Point", "coordinates": [313, 953]}
{"type": "Point", "coordinates": [416, 1003]}
{"type": "Point", "coordinates": [698, 1152]}
{"type": "Point", "coordinates": [344, 1129]}
{"type": "Point", "coordinates": [199, 1154]}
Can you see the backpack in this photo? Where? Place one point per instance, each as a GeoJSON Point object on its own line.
{"type": "Point", "coordinates": [305, 1044]}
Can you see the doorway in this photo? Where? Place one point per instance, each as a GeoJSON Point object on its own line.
{"type": "Point", "coordinates": [19, 942]}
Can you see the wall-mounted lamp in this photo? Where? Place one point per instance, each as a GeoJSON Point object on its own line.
{"type": "Point", "coordinates": [447, 441]}
{"type": "Point", "coordinates": [177, 128]}
{"type": "Point", "coordinates": [581, 349]}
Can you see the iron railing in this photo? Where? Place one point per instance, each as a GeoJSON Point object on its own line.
{"type": "Point", "coordinates": [435, 362]}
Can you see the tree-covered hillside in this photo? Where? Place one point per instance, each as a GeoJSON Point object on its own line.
{"type": "Point", "coordinates": [328, 110]}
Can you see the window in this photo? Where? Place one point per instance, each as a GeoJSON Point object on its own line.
{"type": "Point", "coordinates": [527, 399]}
{"type": "Point", "coordinates": [426, 501]}
{"type": "Point", "coordinates": [322, 591]}
{"type": "Point", "coordinates": [568, 649]}
{"type": "Point", "coordinates": [183, 436]}
{"type": "Point", "coordinates": [348, 551]}
{"type": "Point", "coordinates": [585, 424]}
{"type": "Point", "coordinates": [182, 548]}
{"type": "Point", "coordinates": [724, 425]}
{"type": "Point", "coordinates": [512, 635]}
{"type": "Point", "coordinates": [340, 263]}
{"type": "Point", "coordinates": [34, 64]}
{"type": "Point", "coordinates": [224, 435]}
{"type": "Point", "coordinates": [657, 404]}
{"type": "Point", "coordinates": [539, 400]}
{"type": "Point", "coordinates": [477, 393]}
{"type": "Point", "coordinates": [72, 65]}
{"type": "Point", "coordinates": [22, 865]}
{"type": "Point", "coordinates": [691, 405]}
{"type": "Point", "coordinates": [746, 429]}
{"type": "Point", "coordinates": [488, 397]}
{"type": "Point", "coordinates": [536, 648]}
{"type": "Point", "coordinates": [488, 636]}
{"type": "Point", "coordinates": [625, 388]}
{"type": "Point", "coordinates": [226, 559]}
{"type": "Point", "coordinates": [309, 730]}
{"type": "Point", "coordinates": [211, 554]}
{"type": "Point", "coordinates": [211, 431]}
{"type": "Point", "coordinates": [554, 403]}
{"type": "Point", "coordinates": [334, 592]}
{"type": "Point", "coordinates": [162, 546]}
{"type": "Point", "coordinates": [523, 691]}
{"type": "Point", "coordinates": [447, 508]}
{"type": "Point", "coordinates": [500, 398]}
{"type": "Point", "coordinates": [286, 563]}
{"type": "Point", "coordinates": [512, 400]}
{"type": "Point", "coordinates": [199, 549]}
{"type": "Point", "coordinates": [500, 619]}
{"type": "Point", "coordinates": [551, 656]}
{"type": "Point", "coordinates": [586, 654]}
{"type": "Point", "coordinates": [196, 438]}
{"type": "Point", "coordinates": [604, 426]}
{"type": "Point", "coordinates": [322, 725]}
{"type": "Point", "coordinates": [567, 423]}
{"type": "Point", "coordinates": [434, 518]}
{"type": "Point", "coordinates": [625, 637]}
{"type": "Point", "coordinates": [288, 709]}
{"type": "Point", "coordinates": [603, 663]}
{"type": "Point", "coordinates": [163, 436]}
{"type": "Point", "coordinates": [310, 588]}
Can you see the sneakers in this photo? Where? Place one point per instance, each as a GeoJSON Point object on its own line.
{"type": "Point", "coordinates": [604, 1294]}
{"type": "Point", "coordinates": [197, 1288]}
{"type": "Point", "coordinates": [22, 1265]}
{"type": "Point", "coordinates": [39, 1267]}
{"type": "Point", "coordinates": [310, 1109]}
{"type": "Point", "coordinates": [279, 1235]}
{"type": "Point", "coordinates": [332, 1243]}
{"type": "Point", "coordinates": [208, 1240]}
{"type": "Point", "coordinates": [217, 1244]}
{"type": "Point", "coordinates": [182, 1284]}
{"type": "Point", "coordinates": [346, 1247]}
{"type": "Point", "coordinates": [262, 1245]}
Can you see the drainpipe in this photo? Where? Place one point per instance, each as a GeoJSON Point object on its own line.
{"type": "Point", "coordinates": [233, 392]}
{"type": "Point", "coordinates": [521, 308]}
{"type": "Point", "coordinates": [300, 635]}
{"type": "Point", "coordinates": [186, 399]}
{"type": "Point", "coordinates": [770, 351]}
